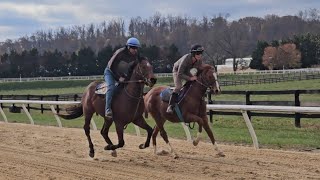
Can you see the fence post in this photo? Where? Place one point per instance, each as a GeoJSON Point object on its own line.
{"type": "Point", "coordinates": [75, 97]}
{"type": "Point", "coordinates": [297, 103]}
{"type": "Point", "coordinates": [248, 102]}
{"type": "Point", "coordinates": [41, 98]}
{"type": "Point", "coordinates": [210, 102]}
{"type": "Point", "coordinates": [28, 105]}
{"type": "Point", "coordinates": [57, 99]}
{"type": "Point", "coordinates": [1, 96]}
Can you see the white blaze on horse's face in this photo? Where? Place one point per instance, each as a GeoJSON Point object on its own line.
{"type": "Point", "coordinates": [216, 80]}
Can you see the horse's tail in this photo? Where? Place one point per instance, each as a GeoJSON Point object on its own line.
{"type": "Point", "coordinates": [72, 112]}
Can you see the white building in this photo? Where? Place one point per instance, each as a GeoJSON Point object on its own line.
{"type": "Point", "coordinates": [243, 63]}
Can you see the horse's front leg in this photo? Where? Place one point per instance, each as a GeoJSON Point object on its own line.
{"type": "Point", "coordinates": [210, 134]}
{"type": "Point", "coordinates": [105, 134]}
{"type": "Point", "coordinates": [203, 122]}
{"type": "Point", "coordinates": [199, 136]}
{"type": "Point", "coordinates": [140, 121]}
{"type": "Point", "coordinates": [119, 129]}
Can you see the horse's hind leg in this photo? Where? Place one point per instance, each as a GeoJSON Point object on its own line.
{"type": "Point", "coordinates": [86, 128]}
{"type": "Point", "coordinates": [164, 135]}
{"type": "Point", "coordinates": [199, 136]}
{"type": "Point", "coordinates": [154, 138]}
{"type": "Point", "coordinates": [143, 124]}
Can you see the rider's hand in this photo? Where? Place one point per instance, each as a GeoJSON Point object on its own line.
{"type": "Point", "coordinates": [193, 78]}
{"type": "Point", "coordinates": [121, 79]}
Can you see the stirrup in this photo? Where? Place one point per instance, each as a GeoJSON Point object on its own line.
{"type": "Point", "coordinates": [108, 114]}
{"type": "Point", "coordinates": [170, 109]}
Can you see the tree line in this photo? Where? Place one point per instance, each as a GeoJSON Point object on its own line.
{"type": "Point", "coordinates": [76, 49]}
{"type": "Point", "coordinates": [82, 63]}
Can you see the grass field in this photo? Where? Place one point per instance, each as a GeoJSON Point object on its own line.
{"type": "Point", "coordinates": [271, 132]}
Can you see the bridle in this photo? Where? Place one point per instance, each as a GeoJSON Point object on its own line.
{"type": "Point", "coordinates": [139, 72]}
{"type": "Point", "coordinates": [207, 85]}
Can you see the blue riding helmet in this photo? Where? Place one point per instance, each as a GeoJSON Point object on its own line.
{"type": "Point", "coordinates": [133, 42]}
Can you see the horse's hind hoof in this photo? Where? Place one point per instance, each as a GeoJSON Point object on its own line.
{"type": "Point", "coordinates": [141, 146]}
{"type": "Point", "coordinates": [91, 154]}
{"type": "Point", "coordinates": [195, 143]}
{"type": "Point", "coordinates": [220, 154]}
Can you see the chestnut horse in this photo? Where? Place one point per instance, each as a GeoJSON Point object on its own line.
{"type": "Point", "coordinates": [192, 107]}
{"type": "Point", "coordinates": [127, 106]}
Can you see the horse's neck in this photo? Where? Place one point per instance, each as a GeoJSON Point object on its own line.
{"type": "Point", "coordinates": [197, 91]}
{"type": "Point", "coordinates": [134, 88]}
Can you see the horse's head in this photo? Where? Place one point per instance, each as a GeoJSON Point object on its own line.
{"type": "Point", "coordinates": [144, 71]}
{"type": "Point", "coordinates": [207, 77]}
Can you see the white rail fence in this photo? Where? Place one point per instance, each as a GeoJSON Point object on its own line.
{"type": "Point", "coordinates": [51, 103]}
{"type": "Point", "coordinates": [97, 77]}
{"type": "Point", "coordinates": [214, 107]}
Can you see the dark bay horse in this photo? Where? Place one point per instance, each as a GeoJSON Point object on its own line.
{"type": "Point", "coordinates": [127, 106]}
{"type": "Point", "coordinates": [192, 106]}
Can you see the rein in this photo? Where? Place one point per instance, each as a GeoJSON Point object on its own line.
{"type": "Point", "coordinates": [137, 81]}
{"type": "Point", "coordinates": [132, 96]}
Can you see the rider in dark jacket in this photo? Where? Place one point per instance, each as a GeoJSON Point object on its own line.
{"type": "Point", "coordinates": [118, 69]}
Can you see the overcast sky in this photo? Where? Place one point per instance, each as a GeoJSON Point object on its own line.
{"type": "Point", "coordinates": [24, 17]}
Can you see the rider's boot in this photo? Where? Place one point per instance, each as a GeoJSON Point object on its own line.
{"type": "Point", "coordinates": [172, 101]}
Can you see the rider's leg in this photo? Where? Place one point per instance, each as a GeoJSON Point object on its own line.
{"type": "Point", "coordinates": [174, 96]}
{"type": "Point", "coordinates": [110, 81]}
{"type": "Point", "coordinates": [172, 101]}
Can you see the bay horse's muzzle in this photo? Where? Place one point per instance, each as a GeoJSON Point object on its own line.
{"type": "Point", "coordinates": [151, 82]}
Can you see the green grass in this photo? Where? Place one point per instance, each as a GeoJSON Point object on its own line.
{"type": "Point", "coordinates": [271, 132]}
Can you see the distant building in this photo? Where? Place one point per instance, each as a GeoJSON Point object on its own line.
{"type": "Point", "coordinates": [243, 63]}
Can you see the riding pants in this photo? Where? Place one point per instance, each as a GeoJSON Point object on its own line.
{"type": "Point", "coordinates": [110, 81]}
{"type": "Point", "coordinates": [177, 82]}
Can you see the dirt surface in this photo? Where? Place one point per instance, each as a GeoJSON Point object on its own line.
{"type": "Point", "coordinates": [39, 152]}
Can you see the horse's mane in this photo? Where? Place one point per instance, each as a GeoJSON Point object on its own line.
{"type": "Point", "coordinates": [204, 67]}
{"type": "Point", "coordinates": [133, 66]}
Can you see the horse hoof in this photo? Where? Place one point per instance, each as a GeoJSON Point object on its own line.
{"type": "Point", "coordinates": [220, 154]}
{"type": "Point", "coordinates": [141, 146]}
{"type": "Point", "coordinates": [162, 153]}
{"type": "Point", "coordinates": [114, 153]}
{"type": "Point", "coordinates": [108, 147]}
{"type": "Point", "coordinates": [195, 143]}
{"type": "Point", "coordinates": [175, 156]}
{"type": "Point", "coordinates": [91, 154]}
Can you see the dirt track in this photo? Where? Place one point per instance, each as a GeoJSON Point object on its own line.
{"type": "Point", "coordinates": [38, 152]}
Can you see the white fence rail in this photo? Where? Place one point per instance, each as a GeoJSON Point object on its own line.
{"type": "Point", "coordinates": [97, 77]}
{"type": "Point", "coordinates": [244, 108]}
{"type": "Point", "coordinates": [214, 107]}
{"type": "Point", "coordinates": [51, 103]}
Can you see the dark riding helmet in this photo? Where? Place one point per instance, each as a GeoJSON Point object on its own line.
{"type": "Point", "coordinates": [197, 48]}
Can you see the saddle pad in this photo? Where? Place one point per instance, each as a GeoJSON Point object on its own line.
{"type": "Point", "coordinates": [165, 94]}
{"type": "Point", "coordinates": [101, 88]}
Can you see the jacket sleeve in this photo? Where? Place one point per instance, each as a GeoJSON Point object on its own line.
{"type": "Point", "coordinates": [182, 69]}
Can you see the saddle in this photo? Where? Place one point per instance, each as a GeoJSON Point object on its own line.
{"type": "Point", "coordinates": [166, 93]}
{"type": "Point", "coordinates": [101, 88]}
